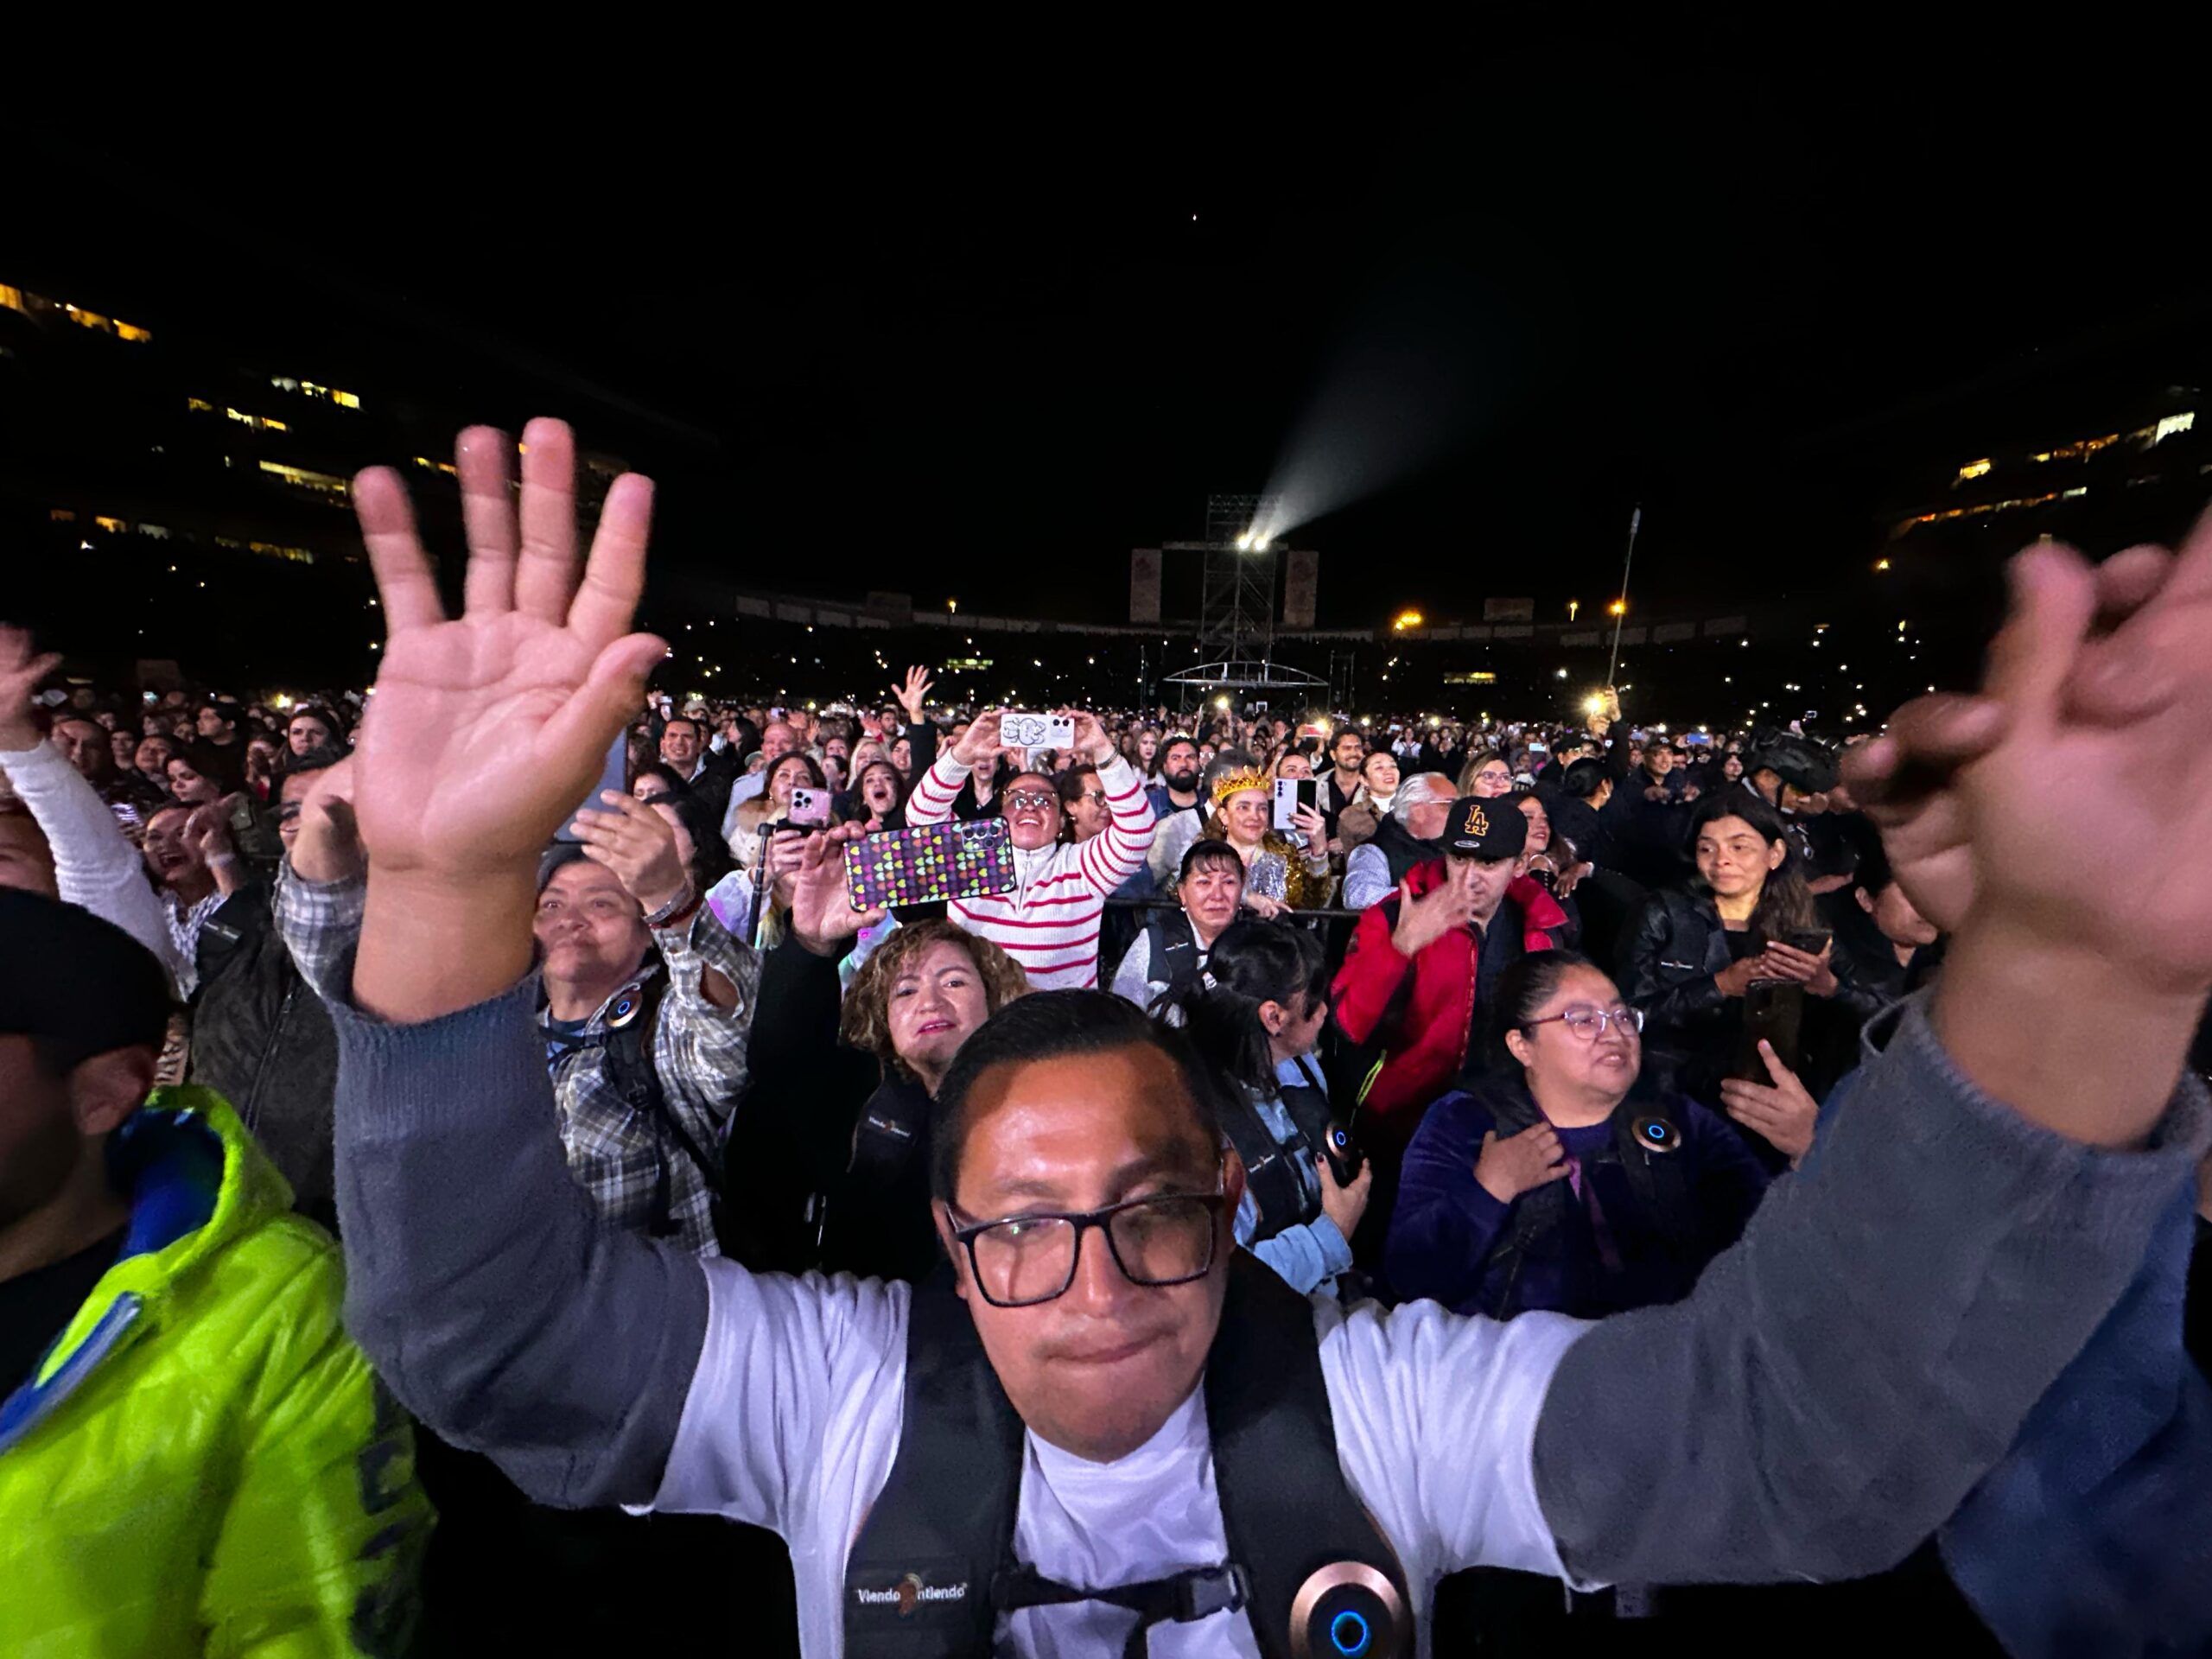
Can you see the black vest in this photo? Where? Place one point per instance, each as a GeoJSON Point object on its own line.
{"type": "Point", "coordinates": [1645, 1143]}
{"type": "Point", "coordinates": [1176, 958]}
{"type": "Point", "coordinates": [1274, 1170]}
{"type": "Point", "coordinates": [1400, 849]}
{"type": "Point", "coordinates": [934, 1566]}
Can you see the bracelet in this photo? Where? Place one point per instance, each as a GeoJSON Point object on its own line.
{"type": "Point", "coordinates": [676, 909]}
{"type": "Point", "coordinates": [218, 860]}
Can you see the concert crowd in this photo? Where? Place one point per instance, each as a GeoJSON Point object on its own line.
{"type": "Point", "coordinates": [518, 1158]}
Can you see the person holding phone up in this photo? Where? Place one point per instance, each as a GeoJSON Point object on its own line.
{"type": "Point", "coordinates": [1745, 918]}
{"type": "Point", "coordinates": [1050, 922]}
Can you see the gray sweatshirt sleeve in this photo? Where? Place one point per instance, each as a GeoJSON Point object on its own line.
{"type": "Point", "coordinates": [1840, 1379]}
{"type": "Point", "coordinates": [493, 1299]}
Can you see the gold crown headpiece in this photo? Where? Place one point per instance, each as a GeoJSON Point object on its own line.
{"type": "Point", "coordinates": [1230, 782]}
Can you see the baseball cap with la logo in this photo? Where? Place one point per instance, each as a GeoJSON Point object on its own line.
{"type": "Point", "coordinates": [1486, 827]}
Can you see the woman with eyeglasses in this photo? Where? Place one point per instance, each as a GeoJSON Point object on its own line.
{"type": "Point", "coordinates": [1487, 773]}
{"type": "Point", "coordinates": [1254, 1017]}
{"type": "Point", "coordinates": [1556, 1184]}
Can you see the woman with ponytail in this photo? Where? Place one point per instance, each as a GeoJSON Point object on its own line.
{"type": "Point", "coordinates": [1254, 1017]}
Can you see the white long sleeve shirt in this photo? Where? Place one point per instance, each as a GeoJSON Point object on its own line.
{"type": "Point", "coordinates": [1049, 921]}
{"type": "Point", "coordinates": [94, 866]}
{"type": "Point", "coordinates": [792, 1420]}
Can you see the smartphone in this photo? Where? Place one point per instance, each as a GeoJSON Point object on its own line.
{"type": "Point", "coordinates": [809, 806]}
{"type": "Point", "coordinates": [1024, 731]}
{"type": "Point", "coordinates": [613, 774]}
{"type": "Point", "coordinates": [1774, 1009]}
{"type": "Point", "coordinates": [960, 860]}
{"type": "Point", "coordinates": [1811, 940]}
{"type": "Point", "coordinates": [1291, 793]}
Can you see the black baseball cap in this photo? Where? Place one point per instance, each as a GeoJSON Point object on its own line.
{"type": "Point", "coordinates": [1490, 828]}
{"type": "Point", "coordinates": [81, 985]}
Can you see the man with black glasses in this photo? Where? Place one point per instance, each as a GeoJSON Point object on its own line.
{"type": "Point", "coordinates": [1101, 1420]}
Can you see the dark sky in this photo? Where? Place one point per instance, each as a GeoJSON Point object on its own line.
{"type": "Point", "coordinates": [982, 338]}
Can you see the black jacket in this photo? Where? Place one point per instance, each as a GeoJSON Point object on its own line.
{"type": "Point", "coordinates": [263, 1039]}
{"type": "Point", "coordinates": [821, 1172]}
{"type": "Point", "coordinates": [1399, 848]}
{"type": "Point", "coordinates": [1668, 962]}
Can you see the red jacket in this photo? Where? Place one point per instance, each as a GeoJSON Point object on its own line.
{"type": "Point", "coordinates": [1420, 1011]}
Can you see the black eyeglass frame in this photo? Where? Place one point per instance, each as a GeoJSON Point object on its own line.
{"type": "Point", "coordinates": [1083, 1221]}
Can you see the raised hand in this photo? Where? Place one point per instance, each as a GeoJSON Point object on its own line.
{"type": "Point", "coordinates": [1424, 920]}
{"type": "Point", "coordinates": [821, 913]}
{"type": "Point", "coordinates": [329, 845]}
{"type": "Point", "coordinates": [487, 730]}
{"type": "Point", "coordinates": [490, 728]}
{"type": "Point", "coordinates": [913, 694]}
{"type": "Point", "coordinates": [979, 741]}
{"type": "Point", "coordinates": [207, 832]}
{"type": "Point", "coordinates": [20, 669]}
{"type": "Point", "coordinates": [2071, 991]}
{"type": "Point", "coordinates": [1907, 780]}
{"type": "Point", "coordinates": [1091, 740]}
{"type": "Point", "coordinates": [639, 845]}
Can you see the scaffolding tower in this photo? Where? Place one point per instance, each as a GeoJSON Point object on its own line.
{"type": "Point", "coordinates": [1236, 602]}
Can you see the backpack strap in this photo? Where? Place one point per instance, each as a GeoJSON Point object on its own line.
{"type": "Point", "coordinates": [1271, 1175]}
{"type": "Point", "coordinates": [627, 1046]}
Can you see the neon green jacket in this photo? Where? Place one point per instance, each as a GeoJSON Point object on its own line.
{"type": "Point", "coordinates": [204, 1463]}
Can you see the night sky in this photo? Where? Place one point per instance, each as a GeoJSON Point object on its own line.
{"type": "Point", "coordinates": [982, 339]}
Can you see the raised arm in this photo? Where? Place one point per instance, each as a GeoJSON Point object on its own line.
{"type": "Point", "coordinates": [489, 1297]}
{"type": "Point", "coordinates": [939, 787]}
{"type": "Point", "coordinates": [1834, 1387]}
{"type": "Point", "coordinates": [1118, 852]}
{"type": "Point", "coordinates": [94, 865]}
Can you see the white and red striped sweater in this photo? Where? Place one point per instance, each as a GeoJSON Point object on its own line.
{"type": "Point", "coordinates": [1049, 922]}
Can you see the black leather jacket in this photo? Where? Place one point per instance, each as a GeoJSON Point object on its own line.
{"type": "Point", "coordinates": [1673, 951]}
{"type": "Point", "coordinates": [264, 1041]}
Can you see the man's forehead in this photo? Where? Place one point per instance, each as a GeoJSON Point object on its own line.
{"type": "Point", "coordinates": [1082, 1123]}
{"type": "Point", "coordinates": [582, 875]}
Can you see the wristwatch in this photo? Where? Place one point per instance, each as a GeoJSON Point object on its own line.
{"type": "Point", "coordinates": [681, 905]}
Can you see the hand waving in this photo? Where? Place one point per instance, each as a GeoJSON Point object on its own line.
{"type": "Point", "coordinates": [913, 694]}
{"type": "Point", "coordinates": [1424, 920]}
{"type": "Point", "coordinates": [20, 669]}
{"type": "Point", "coordinates": [488, 730]}
{"type": "Point", "coordinates": [490, 727]}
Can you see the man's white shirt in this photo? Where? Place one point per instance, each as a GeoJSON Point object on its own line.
{"type": "Point", "coordinates": [791, 1422]}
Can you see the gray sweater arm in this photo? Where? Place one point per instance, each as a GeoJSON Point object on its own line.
{"type": "Point", "coordinates": [1842, 1378]}
{"type": "Point", "coordinates": [491, 1298]}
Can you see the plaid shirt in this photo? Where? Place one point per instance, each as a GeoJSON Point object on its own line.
{"type": "Point", "coordinates": [617, 1155]}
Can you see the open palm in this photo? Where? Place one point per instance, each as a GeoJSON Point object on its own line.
{"type": "Point", "coordinates": [487, 730]}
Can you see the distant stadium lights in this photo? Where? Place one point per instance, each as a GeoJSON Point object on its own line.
{"type": "Point", "coordinates": [1407, 620]}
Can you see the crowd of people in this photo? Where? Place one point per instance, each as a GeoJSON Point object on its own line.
{"type": "Point", "coordinates": [1392, 1057]}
